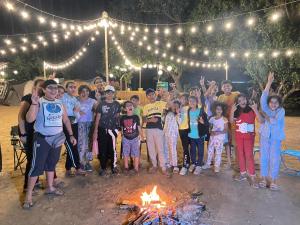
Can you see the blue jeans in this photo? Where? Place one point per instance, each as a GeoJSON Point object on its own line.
{"type": "Point", "coordinates": [197, 150]}
{"type": "Point", "coordinates": [270, 157]}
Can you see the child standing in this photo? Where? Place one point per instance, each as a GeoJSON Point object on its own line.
{"type": "Point", "coordinates": [198, 129]}
{"type": "Point", "coordinates": [87, 108]}
{"type": "Point", "coordinates": [131, 130]}
{"type": "Point", "coordinates": [171, 135]}
{"type": "Point", "coordinates": [218, 129]}
{"type": "Point", "coordinates": [106, 130]}
{"type": "Point", "coordinates": [271, 136]}
{"type": "Point", "coordinates": [243, 115]}
{"type": "Point", "coordinates": [228, 98]}
{"type": "Point", "coordinates": [184, 132]}
{"type": "Point", "coordinates": [137, 109]}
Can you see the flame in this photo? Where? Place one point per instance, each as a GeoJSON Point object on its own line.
{"type": "Point", "coordinates": [152, 199]}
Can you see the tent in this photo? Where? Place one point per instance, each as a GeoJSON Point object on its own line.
{"type": "Point", "coordinates": [12, 94]}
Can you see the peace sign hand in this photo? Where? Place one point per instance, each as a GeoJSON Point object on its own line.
{"type": "Point", "coordinates": [202, 81]}
{"type": "Point", "coordinates": [35, 97]}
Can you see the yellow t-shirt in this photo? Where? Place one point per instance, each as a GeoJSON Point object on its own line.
{"type": "Point", "coordinates": [156, 110]}
{"type": "Point", "coordinates": [184, 122]}
{"type": "Point", "coordinates": [229, 100]}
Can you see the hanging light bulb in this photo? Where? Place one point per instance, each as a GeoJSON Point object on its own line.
{"type": "Point", "coordinates": [250, 21]}
{"type": "Point", "coordinates": [171, 57]}
{"type": "Point", "coordinates": [92, 38]}
{"type": "Point", "coordinates": [64, 26]}
{"type": "Point", "coordinates": [219, 53]}
{"type": "Point", "coordinates": [7, 41]}
{"type": "Point", "coordinates": [149, 48]}
{"type": "Point", "coordinates": [261, 54]}
{"type": "Point", "coordinates": [228, 25]}
{"type": "Point", "coordinates": [209, 28]}
{"type": "Point", "coordinates": [193, 50]}
{"type": "Point", "coordinates": [156, 52]}
{"type": "Point", "coordinates": [13, 50]}
{"type": "Point", "coordinates": [160, 72]}
{"type": "Point", "coordinates": [146, 30]}
{"type": "Point", "coordinates": [168, 45]}
{"type": "Point", "coordinates": [9, 6]}
{"type": "Point", "coordinates": [289, 52]}
{"type": "Point", "coordinates": [169, 68]}
{"type": "Point", "coordinates": [167, 31]}
{"type": "Point", "coordinates": [34, 46]}
{"type": "Point", "coordinates": [41, 19]}
{"type": "Point", "coordinates": [3, 52]}
{"type": "Point", "coordinates": [131, 38]}
{"type": "Point", "coordinates": [206, 52]}
{"type": "Point", "coordinates": [156, 30]}
{"type": "Point", "coordinates": [53, 24]}
{"type": "Point", "coordinates": [232, 54]}
{"type": "Point", "coordinates": [193, 29]}
{"type": "Point", "coordinates": [179, 31]}
{"type": "Point", "coordinates": [247, 54]}
{"type": "Point", "coordinates": [180, 48]}
{"type": "Point", "coordinates": [140, 43]}
{"type": "Point", "coordinates": [45, 43]}
{"type": "Point", "coordinates": [145, 38]}
{"type": "Point", "coordinates": [184, 62]}
{"type": "Point", "coordinates": [25, 15]}
{"type": "Point", "coordinates": [275, 54]}
{"type": "Point", "coordinates": [178, 60]}
{"type": "Point", "coordinates": [137, 29]}
{"type": "Point", "coordinates": [40, 38]}
{"type": "Point", "coordinates": [156, 41]}
{"type": "Point", "coordinates": [275, 16]}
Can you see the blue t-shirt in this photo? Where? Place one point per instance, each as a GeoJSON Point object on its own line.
{"type": "Point", "coordinates": [194, 116]}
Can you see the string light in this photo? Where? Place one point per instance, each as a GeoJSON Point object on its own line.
{"type": "Point", "coordinates": [247, 54]}
{"type": "Point", "coordinates": [250, 21]}
{"type": "Point", "coordinates": [228, 25]}
{"type": "Point", "coordinates": [168, 45]}
{"type": "Point", "coordinates": [180, 48]}
{"type": "Point", "coordinates": [24, 15]}
{"type": "Point", "coordinates": [261, 54]}
{"type": "Point", "coordinates": [193, 29]}
{"type": "Point", "coordinates": [41, 19]}
{"type": "Point", "coordinates": [219, 53]}
{"type": "Point", "coordinates": [53, 24]}
{"type": "Point", "coordinates": [232, 54]}
{"type": "Point", "coordinates": [209, 28]}
{"type": "Point", "coordinates": [169, 68]}
{"type": "Point", "coordinates": [156, 30]}
{"type": "Point", "coordinates": [193, 50]}
{"type": "Point", "coordinates": [275, 54]}
{"type": "Point", "coordinates": [9, 6]}
{"type": "Point", "coordinates": [275, 16]}
{"type": "Point", "coordinates": [7, 41]}
{"type": "Point", "coordinates": [167, 31]}
{"type": "Point", "coordinates": [179, 31]}
{"type": "Point", "coordinates": [289, 53]}
{"type": "Point", "coordinates": [206, 52]}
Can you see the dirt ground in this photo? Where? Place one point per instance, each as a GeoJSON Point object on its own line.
{"type": "Point", "coordinates": [91, 200]}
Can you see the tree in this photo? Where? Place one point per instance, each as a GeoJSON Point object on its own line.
{"type": "Point", "coordinates": [27, 66]}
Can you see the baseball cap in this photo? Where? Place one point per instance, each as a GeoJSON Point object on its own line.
{"type": "Point", "coordinates": [109, 88]}
{"type": "Point", "coordinates": [150, 90]}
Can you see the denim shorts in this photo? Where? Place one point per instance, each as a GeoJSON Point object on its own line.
{"type": "Point", "coordinates": [131, 147]}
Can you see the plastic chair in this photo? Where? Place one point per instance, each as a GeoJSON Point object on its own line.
{"type": "Point", "coordinates": [292, 153]}
{"type": "Point", "coordinates": [19, 150]}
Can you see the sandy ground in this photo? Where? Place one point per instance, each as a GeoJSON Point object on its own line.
{"type": "Point", "coordinates": [91, 200]}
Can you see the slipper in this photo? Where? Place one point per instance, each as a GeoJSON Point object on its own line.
{"type": "Point", "coordinates": [59, 184]}
{"type": "Point", "coordinates": [27, 205]}
{"type": "Point", "coordinates": [80, 173]}
{"type": "Point", "coordinates": [274, 187]}
{"type": "Point", "coordinates": [55, 192]}
{"type": "Point", "coordinates": [262, 184]}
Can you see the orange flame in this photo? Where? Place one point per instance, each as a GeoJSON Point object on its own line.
{"type": "Point", "coordinates": [152, 199]}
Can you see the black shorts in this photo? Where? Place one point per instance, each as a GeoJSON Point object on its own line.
{"type": "Point", "coordinates": [44, 156]}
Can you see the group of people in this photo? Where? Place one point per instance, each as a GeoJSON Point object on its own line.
{"type": "Point", "coordinates": [88, 122]}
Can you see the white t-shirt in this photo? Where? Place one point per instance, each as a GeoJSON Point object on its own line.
{"type": "Point", "coordinates": [218, 125]}
{"type": "Point", "coordinates": [86, 107]}
{"type": "Point", "coordinates": [49, 119]}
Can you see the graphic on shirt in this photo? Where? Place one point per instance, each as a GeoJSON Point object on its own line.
{"type": "Point", "coordinates": [129, 126]}
{"type": "Point", "coordinates": [52, 114]}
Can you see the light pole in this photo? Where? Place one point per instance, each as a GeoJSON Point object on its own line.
{"type": "Point", "coordinates": [226, 70]}
{"type": "Point", "coordinates": [44, 68]}
{"type": "Point", "coordinates": [104, 23]}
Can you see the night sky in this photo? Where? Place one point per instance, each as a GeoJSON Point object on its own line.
{"type": "Point", "coordinates": [92, 62]}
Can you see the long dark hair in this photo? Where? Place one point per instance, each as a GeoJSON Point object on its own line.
{"type": "Point", "coordinates": [218, 104]}
{"type": "Point", "coordinates": [239, 110]}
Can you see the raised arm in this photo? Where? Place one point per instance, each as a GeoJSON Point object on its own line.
{"type": "Point", "coordinates": [264, 97]}
{"type": "Point", "coordinates": [34, 107]}
{"type": "Point", "coordinates": [257, 113]}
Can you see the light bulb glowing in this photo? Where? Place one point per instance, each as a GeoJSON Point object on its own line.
{"type": "Point", "coordinates": [232, 54]}
{"type": "Point", "coordinates": [7, 41]}
{"type": "Point", "coordinates": [146, 30]}
{"type": "Point", "coordinates": [9, 6]}
{"type": "Point", "coordinates": [34, 46]}
{"type": "Point", "coordinates": [145, 38]}
{"type": "Point", "coordinates": [167, 31]}
{"type": "Point", "coordinates": [247, 54]}
{"type": "Point", "coordinates": [180, 48]}
{"type": "Point", "coordinates": [156, 52]}
{"type": "Point", "coordinates": [140, 43]}
{"type": "Point", "coordinates": [289, 53]}
{"type": "Point", "coordinates": [3, 52]}
{"type": "Point", "coordinates": [168, 45]}
{"type": "Point", "coordinates": [206, 52]}
{"type": "Point", "coordinates": [193, 50]}
{"type": "Point", "coordinates": [149, 48]}
{"type": "Point", "coordinates": [228, 25]}
{"type": "Point", "coordinates": [275, 16]}
{"type": "Point", "coordinates": [219, 53]}
{"type": "Point", "coordinates": [41, 19]}
{"type": "Point", "coordinates": [156, 30]}
{"type": "Point", "coordinates": [275, 54]}
{"type": "Point", "coordinates": [261, 54]}
{"type": "Point", "coordinates": [64, 26]}
{"type": "Point", "coordinates": [156, 41]}
{"type": "Point", "coordinates": [164, 55]}
{"type": "Point", "coordinates": [209, 28]}
{"type": "Point", "coordinates": [24, 15]}
{"type": "Point", "coordinates": [137, 29]}
{"type": "Point", "coordinates": [179, 31]}
{"type": "Point", "coordinates": [193, 29]}
{"type": "Point", "coordinates": [250, 22]}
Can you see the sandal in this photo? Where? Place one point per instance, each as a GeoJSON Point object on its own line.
{"type": "Point", "coordinates": [59, 184]}
{"type": "Point", "coordinates": [263, 184]}
{"type": "Point", "coordinates": [80, 173]}
{"type": "Point", "coordinates": [55, 192]}
{"type": "Point", "coordinates": [27, 205]}
{"type": "Point", "coordinates": [274, 187]}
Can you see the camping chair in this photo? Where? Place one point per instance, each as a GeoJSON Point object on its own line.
{"type": "Point", "coordinates": [19, 150]}
{"type": "Point", "coordinates": [292, 153]}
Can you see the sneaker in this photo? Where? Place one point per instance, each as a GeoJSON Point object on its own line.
{"type": "Point", "coordinates": [183, 171]}
{"type": "Point", "coordinates": [152, 169]}
{"type": "Point", "coordinates": [175, 169]}
{"type": "Point", "coordinates": [206, 166]}
{"type": "Point", "coordinates": [197, 170]}
{"type": "Point", "coordinates": [192, 167]}
{"type": "Point", "coordinates": [217, 169]}
{"type": "Point", "coordinates": [102, 172]}
{"type": "Point", "coordinates": [115, 171]}
{"type": "Point", "coordinates": [240, 177]}
{"type": "Point", "coordinates": [88, 167]}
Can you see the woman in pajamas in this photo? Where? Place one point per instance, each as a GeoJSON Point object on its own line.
{"type": "Point", "coordinates": [271, 136]}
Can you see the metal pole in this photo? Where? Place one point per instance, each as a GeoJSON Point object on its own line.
{"type": "Point", "coordinates": [140, 78]}
{"type": "Point", "coordinates": [226, 70]}
{"type": "Point", "coordinates": [105, 24]}
{"type": "Point", "coordinates": [44, 68]}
